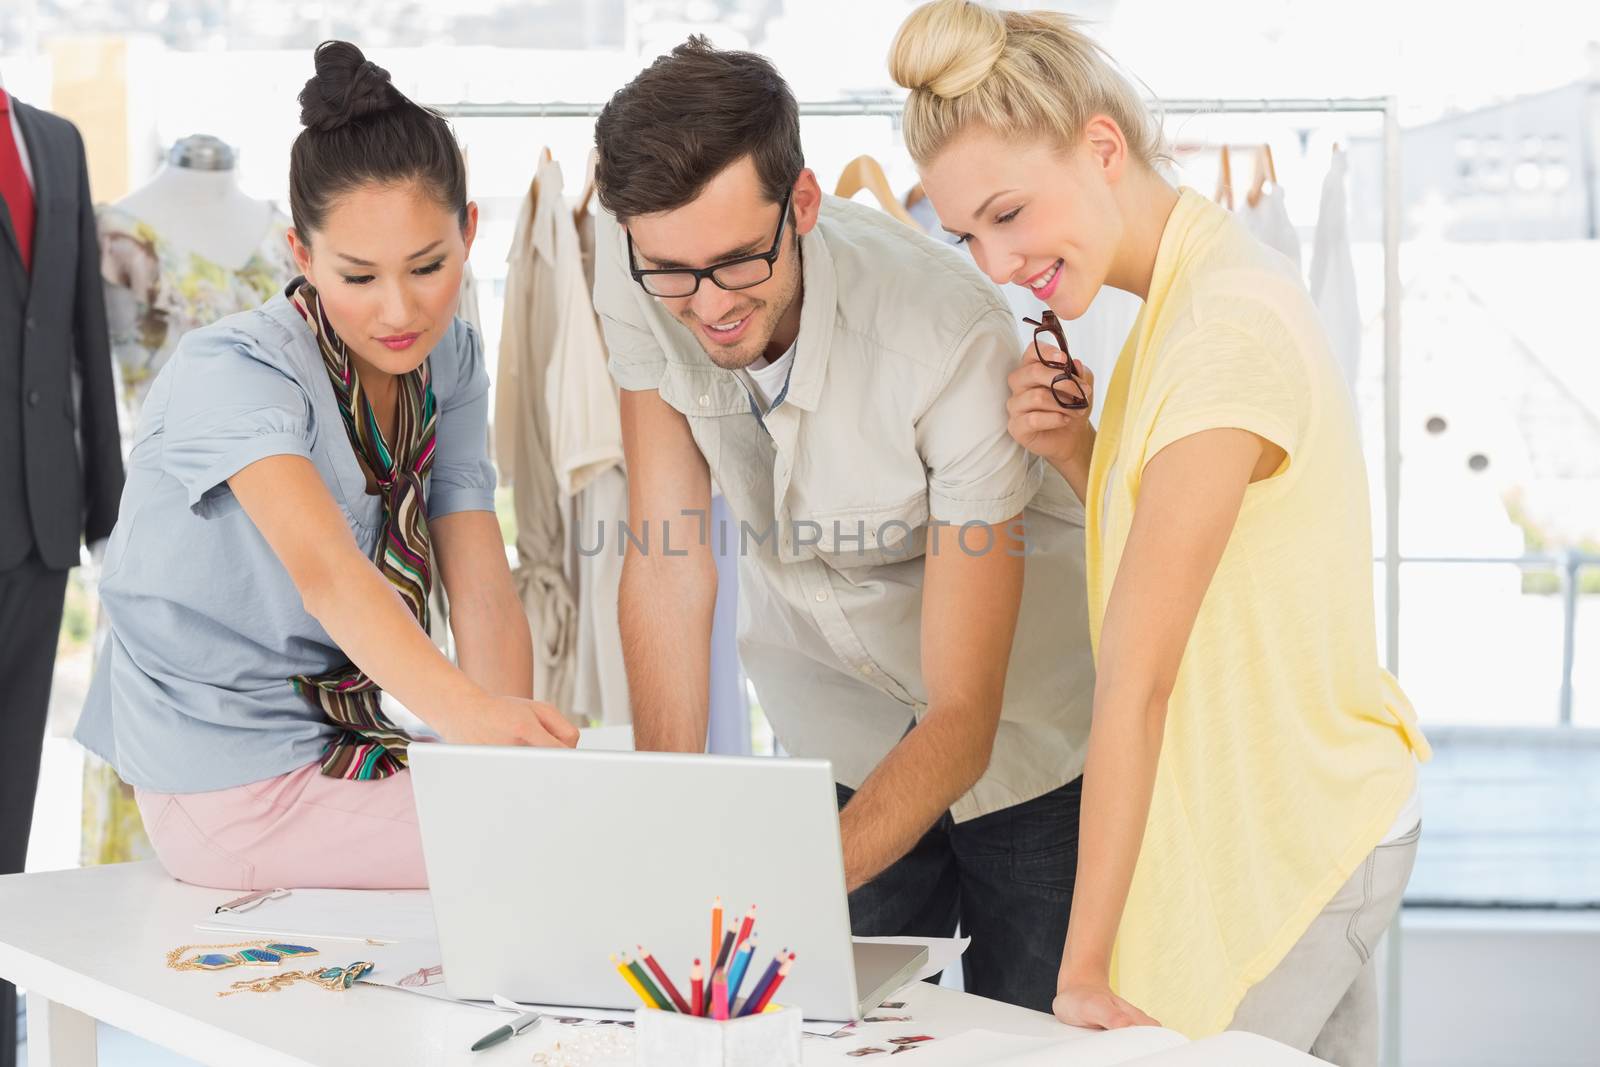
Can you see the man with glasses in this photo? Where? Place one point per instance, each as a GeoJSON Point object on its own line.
{"type": "Point", "coordinates": [841, 379]}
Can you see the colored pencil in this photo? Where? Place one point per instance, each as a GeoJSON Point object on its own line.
{"type": "Point", "coordinates": [720, 964]}
{"type": "Point", "coordinates": [627, 976]}
{"type": "Point", "coordinates": [736, 972]}
{"type": "Point", "coordinates": [716, 926]}
{"type": "Point", "coordinates": [665, 982]}
{"type": "Point", "coordinates": [725, 951]}
{"type": "Point", "coordinates": [649, 987]}
{"type": "Point", "coordinates": [766, 998]}
{"type": "Point", "coordinates": [697, 994]}
{"type": "Point", "coordinates": [719, 994]}
{"type": "Point", "coordinates": [745, 927]}
{"type": "Point", "coordinates": [760, 989]}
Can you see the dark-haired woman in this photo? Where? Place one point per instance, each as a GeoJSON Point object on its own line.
{"type": "Point", "coordinates": [295, 470]}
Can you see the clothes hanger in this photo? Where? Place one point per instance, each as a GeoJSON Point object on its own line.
{"type": "Point", "coordinates": [864, 172]}
{"type": "Point", "coordinates": [533, 182]}
{"type": "Point", "coordinates": [580, 214]}
{"type": "Point", "coordinates": [1265, 172]}
{"type": "Point", "coordinates": [1225, 182]}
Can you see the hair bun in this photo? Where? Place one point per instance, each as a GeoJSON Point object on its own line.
{"type": "Point", "coordinates": [347, 87]}
{"type": "Point", "coordinates": [947, 47]}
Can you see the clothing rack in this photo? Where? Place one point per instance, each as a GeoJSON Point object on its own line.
{"type": "Point", "coordinates": [1388, 107]}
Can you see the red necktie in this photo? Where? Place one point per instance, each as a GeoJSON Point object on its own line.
{"type": "Point", "coordinates": [14, 185]}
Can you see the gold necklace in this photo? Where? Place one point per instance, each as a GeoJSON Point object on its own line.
{"type": "Point", "coordinates": [254, 954]}
{"type": "Point", "coordinates": [333, 979]}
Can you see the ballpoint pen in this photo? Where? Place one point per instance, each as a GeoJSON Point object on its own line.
{"type": "Point", "coordinates": [504, 1033]}
{"type": "Point", "coordinates": [250, 900]}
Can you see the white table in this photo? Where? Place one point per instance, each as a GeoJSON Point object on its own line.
{"type": "Point", "coordinates": [91, 944]}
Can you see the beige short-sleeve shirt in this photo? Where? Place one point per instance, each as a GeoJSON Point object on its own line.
{"type": "Point", "coordinates": [893, 418]}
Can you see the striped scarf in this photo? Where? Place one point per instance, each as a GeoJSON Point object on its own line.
{"type": "Point", "coordinates": [368, 745]}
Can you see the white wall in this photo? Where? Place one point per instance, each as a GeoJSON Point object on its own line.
{"type": "Point", "coordinates": [1501, 989]}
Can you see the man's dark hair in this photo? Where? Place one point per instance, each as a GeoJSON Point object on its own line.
{"type": "Point", "coordinates": [686, 118]}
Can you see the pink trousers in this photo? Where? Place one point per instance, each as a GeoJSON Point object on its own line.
{"type": "Point", "coordinates": [300, 830]}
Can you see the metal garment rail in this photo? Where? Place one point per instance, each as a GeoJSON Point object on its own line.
{"type": "Point", "coordinates": [1388, 107]}
{"type": "Point", "coordinates": [891, 109]}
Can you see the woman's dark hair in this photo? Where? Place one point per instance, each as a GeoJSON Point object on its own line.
{"type": "Point", "coordinates": [360, 129]}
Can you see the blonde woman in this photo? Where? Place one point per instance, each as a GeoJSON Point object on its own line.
{"type": "Point", "coordinates": [1249, 814]}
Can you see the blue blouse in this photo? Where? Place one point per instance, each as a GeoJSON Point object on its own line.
{"type": "Point", "coordinates": [191, 692]}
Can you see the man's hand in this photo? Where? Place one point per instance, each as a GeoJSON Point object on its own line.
{"type": "Point", "coordinates": [970, 600]}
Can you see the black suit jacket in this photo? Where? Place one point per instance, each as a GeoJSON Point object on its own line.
{"type": "Point", "coordinates": [56, 385]}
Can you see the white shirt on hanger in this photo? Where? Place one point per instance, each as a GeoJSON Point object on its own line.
{"type": "Point", "coordinates": [1332, 280]}
{"type": "Point", "coordinates": [1268, 220]}
{"type": "Point", "coordinates": [580, 401]}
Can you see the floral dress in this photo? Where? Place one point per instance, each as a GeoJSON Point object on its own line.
{"type": "Point", "coordinates": [156, 292]}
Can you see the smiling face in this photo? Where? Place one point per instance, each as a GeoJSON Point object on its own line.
{"type": "Point", "coordinates": [1032, 213]}
{"type": "Point", "coordinates": [387, 265]}
{"type": "Point", "coordinates": [732, 218]}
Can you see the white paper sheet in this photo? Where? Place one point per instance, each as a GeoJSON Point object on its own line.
{"type": "Point", "coordinates": [942, 952]}
{"type": "Point", "coordinates": [412, 967]}
{"type": "Point", "coordinates": [559, 1012]}
{"type": "Point", "coordinates": [605, 739]}
{"type": "Point", "coordinates": [1139, 1046]}
{"type": "Point", "coordinates": [1233, 1049]}
{"type": "Point", "coordinates": [1099, 1049]}
{"type": "Point", "coordinates": [1105, 1048]}
{"type": "Point", "coordinates": [978, 1046]}
{"type": "Point", "coordinates": [386, 915]}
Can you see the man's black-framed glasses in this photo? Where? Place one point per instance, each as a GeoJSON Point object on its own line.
{"type": "Point", "coordinates": [1065, 386]}
{"type": "Point", "coordinates": [731, 274]}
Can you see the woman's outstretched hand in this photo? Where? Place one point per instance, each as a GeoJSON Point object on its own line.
{"type": "Point", "coordinates": [500, 720]}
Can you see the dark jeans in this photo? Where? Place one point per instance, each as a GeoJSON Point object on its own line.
{"type": "Point", "coordinates": [1005, 878]}
{"type": "Point", "coordinates": [31, 598]}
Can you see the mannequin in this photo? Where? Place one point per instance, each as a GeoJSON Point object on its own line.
{"type": "Point", "coordinates": [195, 202]}
{"type": "Point", "coordinates": [184, 250]}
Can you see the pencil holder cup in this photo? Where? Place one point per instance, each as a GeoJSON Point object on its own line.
{"type": "Point", "coordinates": [668, 1039]}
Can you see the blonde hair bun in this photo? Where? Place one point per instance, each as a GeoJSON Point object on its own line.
{"type": "Point", "coordinates": [1016, 73]}
{"type": "Point", "coordinates": [947, 48]}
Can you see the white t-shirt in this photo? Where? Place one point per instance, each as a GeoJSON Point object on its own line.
{"type": "Point", "coordinates": [767, 379]}
{"type": "Point", "coordinates": [1409, 816]}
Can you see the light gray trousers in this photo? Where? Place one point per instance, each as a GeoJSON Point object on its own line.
{"type": "Point", "coordinates": [1323, 997]}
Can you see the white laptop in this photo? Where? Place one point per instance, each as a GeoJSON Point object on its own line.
{"type": "Point", "coordinates": [542, 863]}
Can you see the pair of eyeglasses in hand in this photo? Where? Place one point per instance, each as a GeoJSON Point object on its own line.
{"type": "Point", "coordinates": [1065, 386]}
